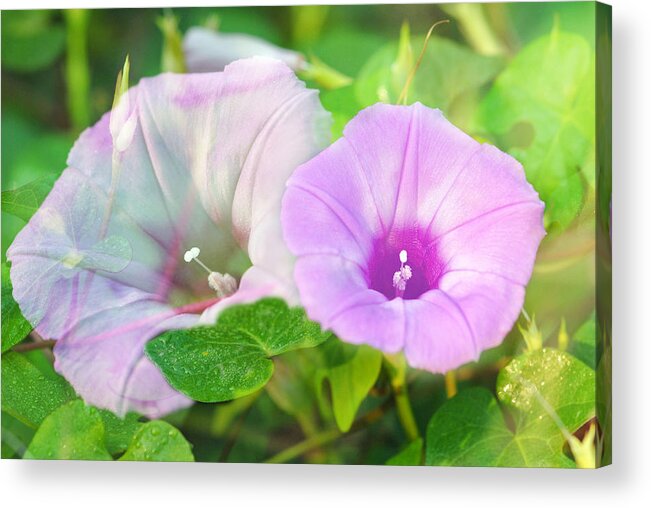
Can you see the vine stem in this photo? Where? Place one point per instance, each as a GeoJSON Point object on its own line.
{"type": "Point", "coordinates": [232, 439]}
{"type": "Point", "coordinates": [31, 346]}
{"type": "Point", "coordinates": [304, 446]}
{"type": "Point", "coordinates": [450, 383]}
{"type": "Point", "coordinates": [477, 29]}
{"type": "Point", "coordinates": [403, 94]}
{"type": "Point", "coordinates": [405, 413]}
{"type": "Point", "coordinates": [326, 436]}
{"type": "Point", "coordinates": [396, 368]}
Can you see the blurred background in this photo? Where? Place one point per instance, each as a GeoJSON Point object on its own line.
{"type": "Point", "coordinates": [59, 70]}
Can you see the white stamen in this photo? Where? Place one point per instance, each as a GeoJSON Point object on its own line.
{"type": "Point", "coordinates": [401, 277]}
{"type": "Point", "coordinates": [223, 284]}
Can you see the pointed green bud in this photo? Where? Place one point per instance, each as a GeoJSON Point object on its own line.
{"type": "Point", "coordinates": [531, 334]}
{"type": "Point", "coordinates": [123, 121]}
{"type": "Point", "coordinates": [122, 83]}
{"type": "Point", "coordinates": [584, 451]}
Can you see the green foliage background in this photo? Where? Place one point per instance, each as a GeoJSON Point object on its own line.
{"type": "Point", "coordinates": [520, 76]}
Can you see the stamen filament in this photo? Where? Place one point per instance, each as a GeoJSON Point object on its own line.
{"type": "Point", "coordinates": [202, 265]}
{"type": "Point", "coordinates": [223, 284]}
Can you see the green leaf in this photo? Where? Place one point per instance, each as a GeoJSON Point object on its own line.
{"type": "Point", "coordinates": [549, 377]}
{"type": "Point", "coordinates": [27, 394]}
{"type": "Point", "coordinates": [119, 431]}
{"type": "Point", "coordinates": [343, 48]}
{"type": "Point", "coordinates": [72, 432]}
{"type": "Point", "coordinates": [541, 108]}
{"type": "Point", "coordinates": [469, 430]}
{"type": "Point", "coordinates": [29, 41]}
{"type": "Point", "coordinates": [15, 436]}
{"type": "Point", "coordinates": [351, 371]}
{"type": "Point", "coordinates": [584, 343]}
{"type": "Point", "coordinates": [24, 201]}
{"type": "Point", "coordinates": [14, 326]}
{"type": "Point", "coordinates": [343, 106]}
{"type": "Point", "coordinates": [158, 441]}
{"type": "Point", "coordinates": [411, 455]}
{"type": "Point", "coordinates": [550, 393]}
{"type": "Point", "coordinates": [447, 71]}
{"type": "Point", "coordinates": [232, 358]}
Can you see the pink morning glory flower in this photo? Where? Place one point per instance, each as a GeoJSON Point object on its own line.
{"type": "Point", "coordinates": [410, 235]}
{"type": "Point", "coordinates": [169, 211]}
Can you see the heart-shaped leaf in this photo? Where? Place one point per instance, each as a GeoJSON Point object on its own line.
{"type": "Point", "coordinates": [447, 72]}
{"type": "Point", "coordinates": [351, 372]}
{"type": "Point", "coordinates": [27, 394]}
{"type": "Point", "coordinates": [410, 455]}
{"type": "Point", "coordinates": [541, 109]}
{"type": "Point", "coordinates": [24, 201]}
{"type": "Point", "coordinates": [158, 441]}
{"type": "Point", "coordinates": [72, 432]}
{"type": "Point", "coordinates": [551, 395]}
{"type": "Point", "coordinates": [232, 358]}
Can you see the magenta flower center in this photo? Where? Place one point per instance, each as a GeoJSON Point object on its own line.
{"type": "Point", "coordinates": [424, 266]}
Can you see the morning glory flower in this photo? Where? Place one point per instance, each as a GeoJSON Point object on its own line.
{"type": "Point", "coordinates": [168, 211]}
{"type": "Point", "coordinates": [410, 235]}
{"type": "Point", "coordinates": [207, 50]}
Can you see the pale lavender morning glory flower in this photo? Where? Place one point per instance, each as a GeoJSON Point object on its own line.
{"type": "Point", "coordinates": [410, 235]}
{"type": "Point", "coordinates": [188, 172]}
{"type": "Point", "coordinates": [207, 50]}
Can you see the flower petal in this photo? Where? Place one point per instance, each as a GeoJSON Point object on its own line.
{"type": "Point", "coordinates": [102, 357]}
{"type": "Point", "coordinates": [99, 265]}
{"type": "Point", "coordinates": [501, 242]}
{"type": "Point", "coordinates": [374, 321]}
{"type": "Point", "coordinates": [490, 303]}
{"type": "Point", "coordinates": [437, 335]}
{"type": "Point", "coordinates": [208, 51]}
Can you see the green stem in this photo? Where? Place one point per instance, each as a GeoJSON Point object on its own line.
{"type": "Point", "coordinates": [31, 346]}
{"type": "Point", "coordinates": [477, 29]}
{"type": "Point", "coordinates": [397, 370]}
{"type": "Point", "coordinates": [405, 413]}
{"type": "Point", "coordinates": [304, 446]}
{"type": "Point", "coordinates": [77, 72]}
{"type": "Point", "coordinates": [327, 436]}
{"type": "Point", "coordinates": [232, 439]}
{"type": "Point", "coordinates": [450, 384]}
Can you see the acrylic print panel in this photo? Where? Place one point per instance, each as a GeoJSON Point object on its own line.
{"type": "Point", "coordinates": [309, 234]}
